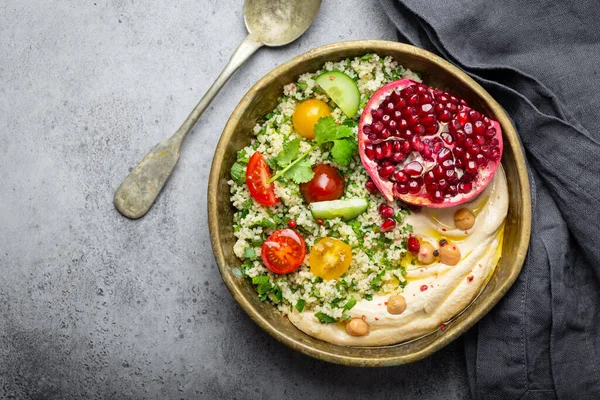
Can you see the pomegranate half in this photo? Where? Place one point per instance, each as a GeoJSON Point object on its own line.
{"type": "Point", "coordinates": [426, 146]}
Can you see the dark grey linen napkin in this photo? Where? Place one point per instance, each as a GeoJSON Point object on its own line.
{"type": "Point", "coordinates": [540, 59]}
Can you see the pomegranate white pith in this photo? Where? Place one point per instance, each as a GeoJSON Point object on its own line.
{"type": "Point", "coordinates": [426, 146]}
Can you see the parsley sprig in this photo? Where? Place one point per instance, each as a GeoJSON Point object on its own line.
{"type": "Point", "coordinates": [327, 131]}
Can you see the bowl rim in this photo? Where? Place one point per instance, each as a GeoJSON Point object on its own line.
{"type": "Point", "coordinates": [488, 303]}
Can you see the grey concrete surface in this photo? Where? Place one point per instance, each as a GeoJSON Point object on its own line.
{"type": "Point", "coordinates": [93, 305]}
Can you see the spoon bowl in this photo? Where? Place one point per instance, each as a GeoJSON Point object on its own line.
{"type": "Point", "coordinates": [277, 23]}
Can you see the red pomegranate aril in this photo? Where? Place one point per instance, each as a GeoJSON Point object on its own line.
{"type": "Point", "coordinates": [398, 157]}
{"type": "Point", "coordinates": [454, 126]}
{"type": "Point", "coordinates": [452, 190]}
{"type": "Point", "coordinates": [393, 125]}
{"type": "Point", "coordinates": [438, 172]}
{"type": "Point", "coordinates": [387, 149]}
{"type": "Point", "coordinates": [377, 127]}
{"type": "Point", "coordinates": [367, 129]}
{"type": "Point", "coordinates": [451, 176]}
{"type": "Point", "coordinates": [369, 152]}
{"type": "Point", "coordinates": [425, 98]}
{"type": "Point", "coordinates": [408, 111]}
{"type": "Point", "coordinates": [428, 119]}
{"type": "Point", "coordinates": [385, 119]}
{"type": "Point", "coordinates": [468, 143]}
{"type": "Point", "coordinates": [458, 163]}
{"type": "Point", "coordinates": [400, 177]}
{"type": "Point", "coordinates": [474, 149]}
{"type": "Point", "coordinates": [474, 115]}
{"type": "Point", "coordinates": [429, 177]}
{"type": "Point", "coordinates": [377, 114]}
{"type": "Point", "coordinates": [399, 104]}
{"type": "Point", "coordinates": [444, 154]}
{"type": "Point", "coordinates": [447, 138]}
{"type": "Point", "coordinates": [431, 188]}
{"type": "Point", "coordinates": [388, 225]}
{"type": "Point", "coordinates": [371, 187]}
{"type": "Point", "coordinates": [394, 96]}
{"type": "Point", "coordinates": [490, 133]}
{"type": "Point", "coordinates": [406, 145]}
{"type": "Point", "coordinates": [439, 108]}
{"type": "Point", "coordinates": [459, 137]}
{"type": "Point", "coordinates": [468, 128]}
{"type": "Point", "coordinates": [495, 155]}
{"type": "Point", "coordinates": [413, 168]}
{"type": "Point", "coordinates": [385, 134]}
{"type": "Point", "coordinates": [386, 211]}
{"type": "Point", "coordinates": [413, 120]}
{"type": "Point", "coordinates": [464, 187]}
{"type": "Point", "coordinates": [402, 125]}
{"type": "Point", "coordinates": [437, 196]}
{"type": "Point", "coordinates": [372, 137]}
{"type": "Point", "coordinates": [437, 147]}
{"type": "Point", "coordinates": [419, 129]}
{"type": "Point", "coordinates": [462, 117]}
{"type": "Point", "coordinates": [431, 129]}
{"type": "Point", "coordinates": [480, 140]}
{"type": "Point", "coordinates": [416, 143]}
{"type": "Point", "coordinates": [485, 150]}
{"type": "Point", "coordinates": [378, 152]}
{"type": "Point", "coordinates": [386, 171]}
{"type": "Point", "coordinates": [413, 100]}
{"type": "Point", "coordinates": [401, 188]}
{"type": "Point", "coordinates": [413, 245]}
{"type": "Point", "coordinates": [426, 108]}
{"type": "Point", "coordinates": [494, 142]}
{"type": "Point", "coordinates": [444, 116]}
{"type": "Point", "coordinates": [389, 107]}
{"type": "Point", "coordinates": [480, 159]}
{"type": "Point", "coordinates": [413, 186]}
{"type": "Point", "coordinates": [448, 164]}
{"type": "Point", "coordinates": [442, 185]}
{"type": "Point", "coordinates": [479, 128]}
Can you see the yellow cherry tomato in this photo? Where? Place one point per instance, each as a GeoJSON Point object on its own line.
{"type": "Point", "coordinates": [330, 258]}
{"type": "Point", "coordinates": [307, 114]}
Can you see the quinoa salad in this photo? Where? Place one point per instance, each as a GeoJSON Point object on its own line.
{"type": "Point", "coordinates": [332, 241]}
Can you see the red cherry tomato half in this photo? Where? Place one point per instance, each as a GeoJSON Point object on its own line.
{"type": "Point", "coordinates": [326, 185]}
{"type": "Point", "coordinates": [257, 175]}
{"type": "Point", "coordinates": [283, 251]}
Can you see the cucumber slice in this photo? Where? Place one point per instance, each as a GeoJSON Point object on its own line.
{"type": "Point", "coordinates": [346, 209]}
{"type": "Point", "coordinates": [342, 90]}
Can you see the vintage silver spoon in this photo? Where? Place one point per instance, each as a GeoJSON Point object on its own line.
{"type": "Point", "coordinates": [270, 23]}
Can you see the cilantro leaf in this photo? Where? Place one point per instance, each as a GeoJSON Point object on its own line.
{"type": "Point", "coordinates": [301, 172]}
{"type": "Point", "coordinates": [324, 318]}
{"type": "Point", "coordinates": [260, 279]}
{"type": "Point", "coordinates": [325, 130]}
{"type": "Point", "coordinates": [343, 151]}
{"type": "Point", "coordinates": [238, 173]}
{"type": "Point", "coordinates": [300, 305]}
{"type": "Point", "coordinates": [289, 153]}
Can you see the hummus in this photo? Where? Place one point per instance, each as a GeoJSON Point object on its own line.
{"type": "Point", "coordinates": [434, 293]}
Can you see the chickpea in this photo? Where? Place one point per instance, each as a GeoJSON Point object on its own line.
{"type": "Point", "coordinates": [396, 304]}
{"type": "Point", "coordinates": [425, 255]}
{"type": "Point", "coordinates": [464, 219]}
{"type": "Point", "coordinates": [358, 327]}
{"type": "Point", "coordinates": [449, 252]}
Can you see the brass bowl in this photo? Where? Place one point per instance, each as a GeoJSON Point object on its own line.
{"type": "Point", "coordinates": [261, 99]}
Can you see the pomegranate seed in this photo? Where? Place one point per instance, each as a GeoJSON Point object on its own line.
{"type": "Point", "coordinates": [413, 120]}
{"type": "Point", "coordinates": [386, 171]}
{"type": "Point", "coordinates": [453, 108]}
{"type": "Point", "coordinates": [452, 190]}
{"type": "Point", "coordinates": [451, 175]}
{"type": "Point", "coordinates": [413, 244]}
{"type": "Point", "coordinates": [444, 116]}
{"type": "Point", "coordinates": [447, 138]}
{"type": "Point", "coordinates": [388, 225]}
{"type": "Point", "coordinates": [468, 142]}
{"type": "Point", "coordinates": [464, 187]}
{"type": "Point", "coordinates": [427, 153]}
{"type": "Point", "coordinates": [485, 150]}
{"type": "Point", "coordinates": [378, 152]}
{"type": "Point", "coordinates": [385, 119]}
{"type": "Point", "coordinates": [416, 143]}
{"type": "Point", "coordinates": [377, 127]}
{"type": "Point", "coordinates": [385, 134]}
{"type": "Point", "coordinates": [403, 124]}
{"type": "Point", "coordinates": [444, 154]}
{"type": "Point", "coordinates": [367, 129]}
{"type": "Point", "coordinates": [454, 126]}
{"type": "Point", "coordinates": [438, 172]}
{"type": "Point", "coordinates": [494, 142]}
{"type": "Point", "coordinates": [490, 133]}
{"type": "Point", "coordinates": [421, 89]}
{"type": "Point", "coordinates": [387, 149]}
{"type": "Point", "coordinates": [459, 137]}
{"type": "Point", "coordinates": [401, 177]}
{"type": "Point", "coordinates": [407, 91]}
{"type": "Point", "coordinates": [369, 151]}
{"type": "Point", "coordinates": [495, 155]}
{"type": "Point", "coordinates": [431, 129]}
{"type": "Point", "coordinates": [372, 137]}
{"type": "Point", "coordinates": [462, 117]}
{"type": "Point", "coordinates": [437, 197]}
{"type": "Point", "coordinates": [413, 100]}
{"type": "Point", "coordinates": [413, 168]}
{"type": "Point", "coordinates": [473, 150]}
{"type": "Point", "coordinates": [292, 224]}
{"type": "Point", "coordinates": [377, 114]}
{"type": "Point", "coordinates": [424, 288]}
{"type": "Point", "coordinates": [401, 188]}
{"type": "Point", "coordinates": [458, 163]}
{"type": "Point", "coordinates": [471, 167]}
{"type": "Point", "coordinates": [425, 108]}
{"type": "Point", "coordinates": [479, 128]}
{"type": "Point", "coordinates": [480, 159]}
{"type": "Point", "coordinates": [371, 187]}
{"type": "Point", "coordinates": [439, 108]}
{"type": "Point", "coordinates": [389, 107]}
{"type": "Point", "coordinates": [386, 211]}
{"type": "Point", "coordinates": [406, 146]}
{"type": "Point", "coordinates": [468, 128]}
{"type": "Point", "coordinates": [474, 115]}
{"type": "Point", "coordinates": [398, 157]}
{"type": "Point", "coordinates": [429, 177]}
{"type": "Point", "coordinates": [400, 104]}
{"type": "Point", "coordinates": [431, 188]}
{"type": "Point", "coordinates": [393, 125]}
{"type": "Point", "coordinates": [442, 185]}
{"type": "Point", "coordinates": [480, 140]}
{"type": "Point", "coordinates": [413, 186]}
{"type": "Point", "coordinates": [419, 129]}
{"type": "Point", "coordinates": [448, 164]}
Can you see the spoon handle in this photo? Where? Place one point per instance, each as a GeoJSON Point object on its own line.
{"type": "Point", "coordinates": [140, 188]}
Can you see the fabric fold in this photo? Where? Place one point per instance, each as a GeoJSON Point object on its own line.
{"type": "Point", "coordinates": [539, 60]}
